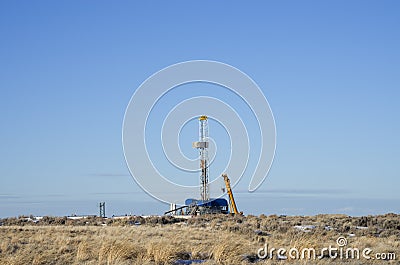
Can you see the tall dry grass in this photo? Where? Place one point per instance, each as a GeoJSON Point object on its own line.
{"type": "Point", "coordinates": [216, 239]}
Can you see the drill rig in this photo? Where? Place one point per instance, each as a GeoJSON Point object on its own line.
{"type": "Point", "coordinates": [206, 205]}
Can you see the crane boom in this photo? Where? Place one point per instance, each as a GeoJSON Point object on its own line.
{"type": "Point", "coordinates": [232, 204]}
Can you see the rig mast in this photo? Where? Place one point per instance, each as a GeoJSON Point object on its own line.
{"type": "Point", "coordinates": [202, 145]}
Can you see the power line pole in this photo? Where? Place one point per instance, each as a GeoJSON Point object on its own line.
{"type": "Point", "coordinates": [102, 209]}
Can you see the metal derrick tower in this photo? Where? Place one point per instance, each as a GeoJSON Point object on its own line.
{"type": "Point", "coordinates": [202, 145]}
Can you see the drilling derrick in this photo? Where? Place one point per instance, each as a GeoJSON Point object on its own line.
{"type": "Point", "coordinates": [205, 205]}
{"type": "Point", "coordinates": [202, 145]}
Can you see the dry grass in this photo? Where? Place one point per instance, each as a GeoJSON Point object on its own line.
{"type": "Point", "coordinates": [216, 239]}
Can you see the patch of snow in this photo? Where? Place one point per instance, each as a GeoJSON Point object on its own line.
{"type": "Point", "coordinates": [305, 228]}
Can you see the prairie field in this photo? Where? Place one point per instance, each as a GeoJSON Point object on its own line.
{"type": "Point", "coordinates": [216, 239]}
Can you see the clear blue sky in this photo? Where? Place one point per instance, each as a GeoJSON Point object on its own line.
{"type": "Point", "coordinates": [329, 69]}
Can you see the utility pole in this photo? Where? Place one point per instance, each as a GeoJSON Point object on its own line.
{"type": "Point", "coordinates": [102, 209]}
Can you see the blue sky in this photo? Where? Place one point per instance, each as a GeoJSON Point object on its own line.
{"type": "Point", "coordinates": [329, 69]}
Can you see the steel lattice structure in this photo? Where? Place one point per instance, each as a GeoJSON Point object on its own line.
{"type": "Point", "coordinates": [202, 145]}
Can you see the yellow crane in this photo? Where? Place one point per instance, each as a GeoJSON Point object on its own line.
{"type": "Point", "coordinates": [232, 204]}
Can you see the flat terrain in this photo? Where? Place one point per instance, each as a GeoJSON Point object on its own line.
{"type": "Point", "coordinates": [211, 239]}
